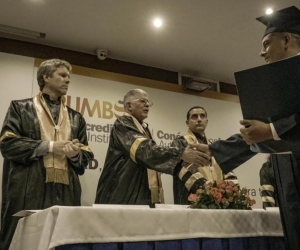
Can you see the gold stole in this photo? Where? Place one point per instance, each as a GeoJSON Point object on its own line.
{"type": "Point", "coordinates": [211, 174]}
{"type": "Point", "coordinates": [154, 177]}
{"type": "Point", "coordinates": [56, 165]}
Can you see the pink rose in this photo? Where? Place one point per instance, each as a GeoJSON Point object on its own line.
{"type": "Point", "coordinates": [221, 184]}
{"type": "Point", "coordinates": [229, 189]}
{"type": "Point", "coordinates": [218, 197]}
{"type": "Point", "coordinates": [230, 183]}
{"type": "Point", "coordinates": [207, 185]}
{"type": "Point", "coordinates": [192, 197]}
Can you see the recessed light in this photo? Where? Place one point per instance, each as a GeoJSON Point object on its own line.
{"type": "Point", "coordinates": [157, 22]}
{"type": "Point", "coordinates": [269, 11]}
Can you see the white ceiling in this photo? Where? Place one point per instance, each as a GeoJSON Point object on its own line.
{"type": "Point", "coordinates": [208, 38]}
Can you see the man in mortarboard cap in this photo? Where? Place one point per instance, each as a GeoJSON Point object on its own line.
{"type": "Point", "coordinates": [281, 40]}
{"type": "Point", "coordinates": [285, 20]}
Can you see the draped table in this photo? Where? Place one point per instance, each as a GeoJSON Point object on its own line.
{"type": "Point", "coordinates": [129, 228]}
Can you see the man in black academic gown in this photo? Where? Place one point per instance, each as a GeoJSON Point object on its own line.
{"type": "Point", "coordinates": [197, 121]}
{"type": "Point", "coordinates": [45, 148]}
{"type": "Point", "coordinates": [280, 41]}
{"type": "Point", "coordinates": [134, 162]}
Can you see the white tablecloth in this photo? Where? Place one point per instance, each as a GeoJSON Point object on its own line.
{"type": "Point", "coordinates": [69, 225]}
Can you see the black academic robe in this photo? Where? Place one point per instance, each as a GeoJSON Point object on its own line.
{"type": "Point", "coordinates": [287, 176]}
{"type": "Point", "coordinates": [180, 192]}
{"type": "Point", "coordinates": [24, 175]}
{"type": "Point", "coordinates": [124, 181]}
{"type": "Point", "coordinates": [268, 190]}
{"type": "Point", "coordinates": [234, 151]}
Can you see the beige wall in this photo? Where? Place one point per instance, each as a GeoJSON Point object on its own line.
{"type": "Point", "coordinates": [103, 90]}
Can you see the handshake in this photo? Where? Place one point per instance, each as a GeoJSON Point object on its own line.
{"type": "Point", "coordinates": [197, 154]}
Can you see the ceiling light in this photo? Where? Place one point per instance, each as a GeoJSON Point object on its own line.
{"type": "Point", "coordinates": [157, 22]}
{"type": "Point", "coordinates": [21, 32]}
{"type": "Point", "coordinates": [269, 11]}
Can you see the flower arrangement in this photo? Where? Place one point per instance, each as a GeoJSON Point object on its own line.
{"type": "Point", "coordinates": [221, 195]}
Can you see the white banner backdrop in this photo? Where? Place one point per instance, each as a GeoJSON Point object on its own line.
{"type": "Point", "coordinates": [99, 102]}
{"type": "Point", "coordinates": [16, 74]}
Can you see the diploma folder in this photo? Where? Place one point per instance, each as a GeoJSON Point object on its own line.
{"type": "Point", "coordinates": [268, 93]}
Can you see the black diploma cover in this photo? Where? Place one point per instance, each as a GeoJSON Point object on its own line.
{"type": "Point", "coordinates": [268, 93]}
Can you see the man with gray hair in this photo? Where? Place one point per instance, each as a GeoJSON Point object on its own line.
{"type": "Point", "coordinates": [134, 162]}
{"type": "Point", "coordinates": [45, 148]}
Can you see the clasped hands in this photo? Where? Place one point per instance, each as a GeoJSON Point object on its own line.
{"type": "Point", "coordinates": [68, 148]}
{"type": "Point", "coordinates": [197, 154]}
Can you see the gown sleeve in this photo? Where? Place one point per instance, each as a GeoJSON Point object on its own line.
{"type": "Point", "coordinates": [231, 153]}
{"type": "Point", "coordinates": [144, 151]}
{"type": "Point", "coordinates": [267, 185]}
{"type": "Point", "coordinates": [15, 144]}
{"type": "Point", "coordinates": [288, 128]}
{"type": "Point", "coordinates": [192, 180]}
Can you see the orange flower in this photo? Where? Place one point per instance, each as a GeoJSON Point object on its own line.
{"type": "Point", "coordinates": [199, 191]}
{"type": "Point", "coordinates": [213, 191]}
{"type": "Point", "coordinates": [247, 199]}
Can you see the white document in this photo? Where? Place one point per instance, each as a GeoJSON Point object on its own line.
{"type": "Point", "coordinates": [120, 206]}
{"type": "Point", "coordinates": [272, 208]}
{"type": "Point", "coordinates": [171, 206]}
{"type": "Point", "coordinates": [24, 213]}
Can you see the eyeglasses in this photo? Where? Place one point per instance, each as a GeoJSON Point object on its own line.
{"type": "Point", "coordinates": [143, 101]}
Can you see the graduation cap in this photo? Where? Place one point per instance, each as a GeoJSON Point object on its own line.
{"type": "Point", "coordinates": [285, 20]}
